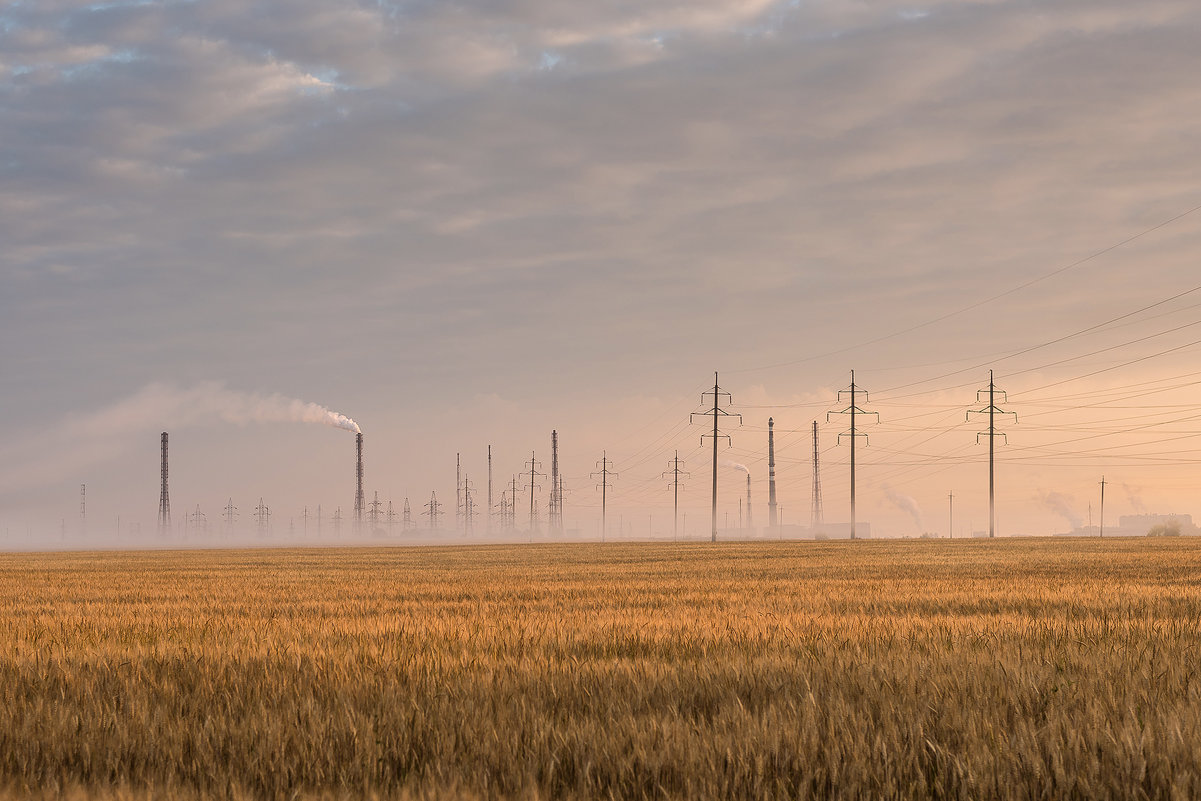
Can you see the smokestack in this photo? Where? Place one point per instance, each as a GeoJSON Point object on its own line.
{"type": "Point", "coordinates": [164, 498]}
{"type": "Point", "coordinates": [771, 474]}
{"type": "Point", "coordinates": [358, 493]}
{"type": "Point", "coordinates": [750, 523]}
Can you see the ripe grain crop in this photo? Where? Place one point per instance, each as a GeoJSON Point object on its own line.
{"type": "Point", "coordinates": [1009, 669]}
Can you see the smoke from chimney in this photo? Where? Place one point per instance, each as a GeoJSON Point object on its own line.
{"type": "Point", "coordinates": [905, 504]}
{"type": "Point", "coordinates": [1060, 504]}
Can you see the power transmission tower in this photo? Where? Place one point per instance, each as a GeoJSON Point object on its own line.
{"type": "Point", "coordinates": [458, 492]}
{"type": "Point", "coordinates": [468, 506]}
{"type": "Point", "coordinates": [407, 521]}
{"type": "Point", "coordinates": [533, 465]}
{"type": "Point", "coordinates": [374, 512]}
{"type": "Point", "coordinates": [488, 517]}
{"type": "Point", "coordinates": [391, 519]}
{"type": "Point", "coordinates": [432, 510]}
{"type": "Point", "coordinates": [992, 410]}
{"type": "Point", "coordinates": [262, 514]}
{"type": "Point", "coordinates": [772, 519]}
{"type": "Point", "coordinates": [230, 514]}
{"type": "Point", "coordinates": [815, 508]}
{"type": "Point", "coordinates": [337, 518]}
{"type": "Point", "coordinates": [83, 507]}
{"type": "Point", "coordinates": [1103, 483]}
{"type": "Point", "coordinates": [717, 413]}
{"type": "Point", "coordinates": [853, 410]}
{"type": "Point", "coordinates": [513, 504]}
{"type": "Point", "coordinates": [164, 498]}
{"type": "Point", "coordinates": [197, 519]}
{"type": "Point", "coordinates": [674, 471]}
{"type": "Point", "coordinates": [605, 465]}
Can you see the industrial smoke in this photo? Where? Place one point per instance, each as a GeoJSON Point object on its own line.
{"type": "Point", "coordinates": [736, 466]}
{"type": "Point", "coordinates": [905, 504]}
{"type": "Point", "coordinates": [1061, 504]}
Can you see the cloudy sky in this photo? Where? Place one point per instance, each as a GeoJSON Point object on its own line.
{"type": "Point", "coordinates": [466, 224]}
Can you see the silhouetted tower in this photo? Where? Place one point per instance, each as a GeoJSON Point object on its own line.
{"type": "Point", "coordinates": [815, 505]}
{"type": "Point", "coordinates": [468, 506]}
{"type": "Point", "coordinates": [554, 513]}
{"type": "Point", "coordinates": [488, 517]}
{"type": "Point", "coordinates": [373, 511]}
{"type": "Point", "coordinates": [992, 410]}
{"type": "Point", "coordinates": [358, 492]}
{"type": "Point", "coordinates": [675, 473]}
{"type": "Point", "coordinates": [407, 521]}
{"type": "Point", "coordinates": [773, 519]}
{"type": "Point", "coordinates": [83, 506]}
{"type": "Point", "coordinates": [164, 498]}
{"type": "Point", "coordinates": [433, 510]}
{"type": "Point", "coordinates": [337, 518]}
{"type": "Point", "coordinates": [1103, 483]}
{"type": "Point", "coordinates": [262, 515]}
{"type": "Point", "coordinates": [853, 410]}
{"type": "Point", "coordinates": [458, 491]}
{"type": "Point", "coordinates": [606, 470]}
{"type": "Point", "coordinates": [716, 413]}
{"type": "Point", "coordinates": [198, 520]}
{"type": "Point", "coordinates": [230, 514]}
{"type": "Point", "coordinates": [533, 465]}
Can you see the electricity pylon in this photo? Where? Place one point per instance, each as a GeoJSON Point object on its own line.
{"type": "Point", "coordinates": [716, 413]}
{"type": "Point", "coordinates": [992, 410]}
{"type": "Point", "coordinates": [533, 465]}
{"type": "Point", "coordinates": [433, 509]}
{"type": "Point", "coordinates": [606, 469]}
{"type": "Point", "coordinates": [853, 410]}
{"type": "Point", "coordinates": [674, 471]}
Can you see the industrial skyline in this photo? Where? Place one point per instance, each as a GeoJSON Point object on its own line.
{"type": "Point", "coordinates": [475, 228]}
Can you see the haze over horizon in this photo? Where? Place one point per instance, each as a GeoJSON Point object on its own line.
{"type": "Point", "coordinates": [471, 224]}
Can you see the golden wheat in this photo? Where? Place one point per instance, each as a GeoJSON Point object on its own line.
{"type": "Point", "coordinates": [975, 669]}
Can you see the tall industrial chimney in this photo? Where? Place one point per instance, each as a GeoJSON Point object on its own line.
{"type": "Point", "coordinates": [164, 498]}
{"type": "Point", "coordinates": [750, 522]}
{"type": "Point", "coordinates": [358, 493]}
{"type": "Point", "coordinates": [771, 474]}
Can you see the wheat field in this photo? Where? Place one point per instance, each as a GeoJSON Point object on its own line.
{"type": "Point", "coordinates": [1010, 669]}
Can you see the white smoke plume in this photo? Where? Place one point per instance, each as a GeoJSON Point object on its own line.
{"type": "Point", "coordinates": [82, 440]}
{"type": "Point", "coordinates": [905, 504]}
{"type": "Point", "coordinates": [736, 466]}
{"type": "Point", "coordinates": [170, 406]}
{"type": "Point", "coordinates": [1061, 505]}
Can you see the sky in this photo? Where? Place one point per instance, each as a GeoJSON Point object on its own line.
{"type": "Point", "coordinates": [470, 224]}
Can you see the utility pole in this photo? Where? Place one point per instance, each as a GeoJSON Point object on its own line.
{"type": "Point", "coordinates": [951, 515]}
{"type": "Point", "coordinates": [674, 472]}
{"type": "Point", "coordinates": [1103, 483]}
{"type": "Point", "coordinates": [433, 509]}
{"type": "Point", "coordinates": [717, 413]}
{"type": "Point", "coordinates": [992, 410]}
{"type": "Point", "coordinates": [773, 519]}
{"type": "Point", "coordinates": [606, 470]}
{"type": "Point", "coordinates": [853, 410]}
{"type": "Point", "coordinates": [534, 464]}
{"type": "Point", "coordinates": [488, 517]}
{"type": "Point", "coordinates": [513, 504]}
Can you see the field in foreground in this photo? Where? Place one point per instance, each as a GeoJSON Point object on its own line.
{"type": "Point", "coordinates": [974, 669]}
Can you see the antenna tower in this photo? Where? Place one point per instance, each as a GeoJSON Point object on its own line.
{"type": "Point", "coordinates": [853, 392]}
{"type": "Point", "coordinates": [606, 470]}
{"type": "Point", "coordinates": [716, 413]}
{"type": "Point", "coordinates": [992, 410]}
{"type": "Point", "coordinates": [164, 498]}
